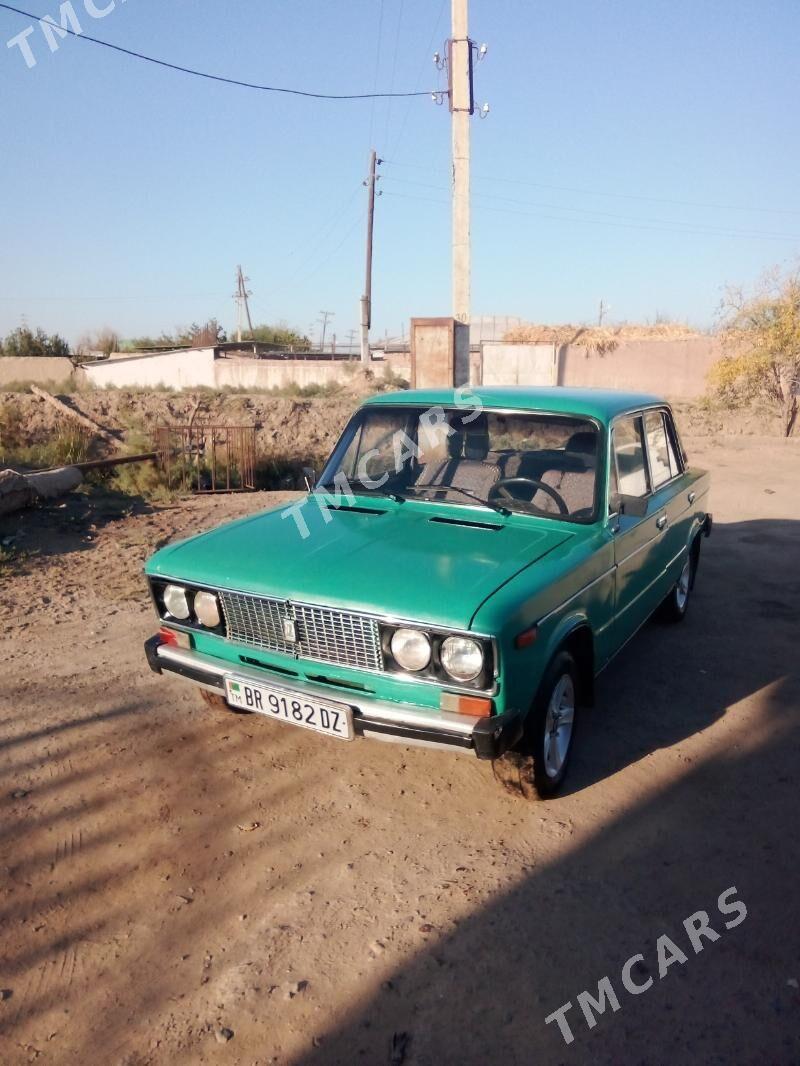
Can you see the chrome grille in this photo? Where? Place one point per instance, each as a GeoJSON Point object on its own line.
{"type": "Point", "coordinates": [323, 633]}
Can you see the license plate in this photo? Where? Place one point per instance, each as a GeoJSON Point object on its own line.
{"type": "Point", "coordinates": [333, 719]}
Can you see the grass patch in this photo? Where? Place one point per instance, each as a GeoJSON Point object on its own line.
{"type": "Point", "coordinates": [66, 446]}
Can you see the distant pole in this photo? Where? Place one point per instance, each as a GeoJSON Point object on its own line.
{"type": "Point", "coordinates": [351, 342]}
{"type": "Point", "coordinates": [333, 346]}
{"type": "Point", "coordinates": [602, 312]}
{"type": "Point", "coordinates": [366, 299]}
{"type": "Point", "coordinates": [242, 305]}
{"type": "Point", "coordinates": [326, 315]}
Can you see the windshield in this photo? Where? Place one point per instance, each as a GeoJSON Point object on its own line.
{"type": "Point", "coordinates": [524, 462]}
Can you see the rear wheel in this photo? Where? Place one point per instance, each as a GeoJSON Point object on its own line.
{"type": "Point", "coordinates": [675, 606]}
{"type": "Point", "coordinates": [540, 765]}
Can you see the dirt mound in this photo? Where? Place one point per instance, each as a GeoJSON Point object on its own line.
{"type": "Point", "coordinates": [304, 428]}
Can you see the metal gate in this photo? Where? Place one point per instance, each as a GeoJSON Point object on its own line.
{"type": "Point", "coordinates": [205, 458]}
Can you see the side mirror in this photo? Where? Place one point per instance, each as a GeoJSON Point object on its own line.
{"type": "Point", "coordinates": [309, 477]}
{"type": "Point", "coordinates": [635, 506]}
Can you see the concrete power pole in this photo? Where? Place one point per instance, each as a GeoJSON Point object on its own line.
{"type": "Point", "coordinates": [366, 299]}
{"type": "Point", "coordinates": [242, 305]}
{"type": "Point", "coordinates": [462, 106]}
{"type": "Point", "coordinates": [326, 315]}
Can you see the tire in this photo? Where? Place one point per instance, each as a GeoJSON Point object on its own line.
{"type": "Point", "coordinates": [675, 606]}
{"type": "Point", "coordinates": [540, 765]}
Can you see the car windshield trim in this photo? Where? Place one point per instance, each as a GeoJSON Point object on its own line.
{"type": "Point", "coordinates": [407, 412]}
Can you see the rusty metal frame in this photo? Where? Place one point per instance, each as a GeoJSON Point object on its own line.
{"type": "Point", "coordinates": [206, 458]}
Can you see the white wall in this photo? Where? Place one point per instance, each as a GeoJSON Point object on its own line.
{"type": "Point", "coordinates": [518, 364]}
{"type": "Point", "coordinates": [177, 370]}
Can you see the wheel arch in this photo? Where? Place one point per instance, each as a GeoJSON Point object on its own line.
{"type": "Point", "coordinates": [575, 635]}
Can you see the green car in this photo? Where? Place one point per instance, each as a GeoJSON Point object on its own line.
{"type": "Point", "coordinates": [464, 567]}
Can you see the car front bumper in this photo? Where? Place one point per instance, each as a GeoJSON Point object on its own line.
{"type": "Point", "coordinates": [488, 737]}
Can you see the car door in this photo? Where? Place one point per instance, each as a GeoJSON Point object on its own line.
{"type": "Point", "coordinates": [669, 501]}
{"type": "Point", "coordinates": [638, 538]}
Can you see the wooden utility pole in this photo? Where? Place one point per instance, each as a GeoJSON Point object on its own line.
{"type": "Point", "coordinates": [462, 106]}
{"type": "Point", "coordinates": [366, 299]}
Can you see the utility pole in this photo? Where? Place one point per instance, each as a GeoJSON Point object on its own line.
{"type": "Point", "coordinates": [461, 53]}
{"type": "Point", "coordinates": [351, 342]}
{"type": "Point", "coordinates": [462, 106]}
{"type": "Point", "coordinates": [602, 312]}
{"type": "Point", "coordinates": [366, 299]}
{"type": "Point", "coordinates": [242, 306]}
{"type": "Point", "coordinates": [326, 315]}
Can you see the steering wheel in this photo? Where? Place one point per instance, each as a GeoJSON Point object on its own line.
{"type": "Point", "coordinates": [500, 489]}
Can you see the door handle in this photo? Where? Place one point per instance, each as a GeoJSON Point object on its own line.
{"type": "Point", "coordinates": [661, 522]}
{"type": "Point", "coordinates": [692, 497]}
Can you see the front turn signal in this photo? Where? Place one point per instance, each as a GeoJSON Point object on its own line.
{"type": "Point", "coordinates": [479, 706]}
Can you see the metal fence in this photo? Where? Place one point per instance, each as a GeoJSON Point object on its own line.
{"type": "Point", "coordinates": [205, 458]}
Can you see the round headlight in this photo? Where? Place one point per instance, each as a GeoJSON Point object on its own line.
{"type": "Point", "coordinates": [462, 658]}
{"type": "Point", "coordinates": [206, 609]}
{"type": "Point", "coordinates": [411, 649]}
{"type": "Point", "coordinates": [175, 601]}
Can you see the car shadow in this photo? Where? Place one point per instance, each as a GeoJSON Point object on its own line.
{"type": "Point", "coordinates": [669, 840]}
{"type": "Point", "coordinates": [672, 681]}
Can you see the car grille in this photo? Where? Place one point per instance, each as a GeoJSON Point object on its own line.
{"type": "Point", "coordinates": [323, 633]}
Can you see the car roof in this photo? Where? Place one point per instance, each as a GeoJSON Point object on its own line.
{"type": "Point", "coordinates": [602, 404]}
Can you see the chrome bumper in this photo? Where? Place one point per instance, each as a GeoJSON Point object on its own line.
{"type": "Point", "coordinates": [377, 719]}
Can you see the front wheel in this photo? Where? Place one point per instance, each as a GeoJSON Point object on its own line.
{"type": "Point", "coordinates": [553, 724]}
{"type": "Point", "coordinates": [540, 764]}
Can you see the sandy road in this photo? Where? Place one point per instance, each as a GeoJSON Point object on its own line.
{"type": "Point", "coordinates": [167, 873]}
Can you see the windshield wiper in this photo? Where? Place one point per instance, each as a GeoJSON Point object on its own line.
{"type": "Point", "coordinates": [464, 492]}
{"type": "Point", "coordinates": [363, 490]}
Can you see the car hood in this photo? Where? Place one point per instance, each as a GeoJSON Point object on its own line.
{"type": "Point", "coordinates": [408, 560]}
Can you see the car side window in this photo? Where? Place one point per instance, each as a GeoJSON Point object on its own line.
{"type": "Point", "coordinates": [661, 468]}
{"type": "Point", "coordinates": [629, 457]}
{"type": "Point", "coordinates": [673, 448]}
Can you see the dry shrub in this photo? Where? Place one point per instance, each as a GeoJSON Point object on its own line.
{"type": "Point", "coordinates": [599, 339]}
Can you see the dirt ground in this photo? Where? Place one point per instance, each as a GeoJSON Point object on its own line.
{"type": "Point", "coordinates": [182, 886]}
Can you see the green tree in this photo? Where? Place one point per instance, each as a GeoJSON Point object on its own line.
{"type": "Point", "coordinates": [24, 342]}
{"type": "Point", "coordinates": [761, 337]}
{"type": "Point", "coordinates": [281, 334]}
{"type": "Point", "coordinates": [105, 341]}
{"type": "Point", "coordinates": [205, 336]}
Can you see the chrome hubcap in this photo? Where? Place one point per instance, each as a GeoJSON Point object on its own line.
{"type": "Point", "coordinates": [558, 725]}
{"type": "Point", "coordinates": [682, 588]}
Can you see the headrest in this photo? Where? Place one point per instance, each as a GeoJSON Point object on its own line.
{"type": "Point", "coordinates": [583, 442]}
{"type": "Point", "coordinates": [476, 444]}
{"type": "Point", "coordinates": [455, 442]}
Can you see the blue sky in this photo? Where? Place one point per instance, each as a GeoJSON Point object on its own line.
{"type": "Point", "coordinates": [643, 152]}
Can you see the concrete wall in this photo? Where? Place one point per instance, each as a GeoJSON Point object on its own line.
{"type": "Point", "coordinates": [277, 373]}
{"type": "Point", "coordinates": [177, 370]}
{"type": "Point", "coordinates": [198, 367]}
{"type": "Point", "coordinates": [674, 368]}
{"type": "Point", "coordinates": [518, 364]}
{"type": "Point", "coordinates": [668, 368]}
{"type": "Point", "coordinates": [35, 370]}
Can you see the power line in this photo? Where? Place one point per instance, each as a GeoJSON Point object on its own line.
{"type": "Point", "coordinates": [218, 77]}
{"type": "Point", "coordinates": [710, 228]}
{"type": "Point", "coordinates": [684, 229]}
{"type": "Point", "coordinates": [599, 192]}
